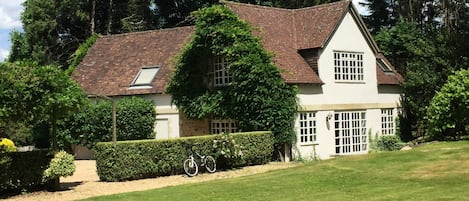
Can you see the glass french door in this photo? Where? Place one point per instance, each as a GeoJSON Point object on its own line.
{"type": "Point", "coordinates": [350, 132]}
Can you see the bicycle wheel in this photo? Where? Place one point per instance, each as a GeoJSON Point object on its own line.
{"type": "Point", "coordinates": [210, 164]}
{"type": "Point", "coordinates": [190, 167]}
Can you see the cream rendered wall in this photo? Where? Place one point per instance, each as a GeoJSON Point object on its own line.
{"type": "Point", "coordinates": [342, 96]}
{"type": "Point", "coordinates": [165, 111]}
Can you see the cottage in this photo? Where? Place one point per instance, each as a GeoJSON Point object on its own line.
{"type": "Point", "coordinates": [347, 89]}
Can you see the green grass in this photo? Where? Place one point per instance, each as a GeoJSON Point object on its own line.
{"type": "Point", "coordinates": [437, 171]}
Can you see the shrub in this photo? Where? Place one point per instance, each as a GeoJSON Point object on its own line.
{"type": "Point", "coordinates": [19, 132]}
{"type": "Point", "coordinates": [127, 160]}
{"type": "Point", "coordinates": [6, 145]}
{"type": "Point", "coordinates": [227, 151]}
{"type": "Point", "coordinates": [135, 120]}
{"type": "Point", "coordinates": [387, 143]}
{"type": "Point", "coordinates": [60, 166]}
{"type": "Point", "coordinates": [22, 171]}
{"type": "Point", "coordinates": [447, 113]}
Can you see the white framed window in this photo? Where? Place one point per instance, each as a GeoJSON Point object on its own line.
{"type": "Point", "coordinates": [348, 66]}
{"type": "Point", "coordinates": [221, 74]}
{"type": "Point", "coordinates": [307, 127]}
{"type": "Point", "coordinates": [218, 126]}
{"type": "Point", "coordinates": [387, 121]}
{"type": "Point", "coordinates": [350, 132]}
{"type": "Point", "coordinates": [145, 76]}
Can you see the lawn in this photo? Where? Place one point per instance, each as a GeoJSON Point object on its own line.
{"type": "Point", "coordinates": [438, 171]}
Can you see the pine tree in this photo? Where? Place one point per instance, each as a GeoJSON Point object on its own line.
{"type": "Point", "coordinates": [381, 14]}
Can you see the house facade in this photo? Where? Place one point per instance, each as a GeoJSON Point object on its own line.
{"type": "Point", "coordinates": [347, 89]}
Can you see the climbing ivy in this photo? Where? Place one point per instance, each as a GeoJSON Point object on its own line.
{"type": "Point", "coordinates": [257, 99]}
{"type": "Point", "coordinates": [80, 53]}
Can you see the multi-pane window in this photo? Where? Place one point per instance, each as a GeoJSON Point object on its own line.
{"type": "Point", "coordinates": [218, 126]}
{"type": "Point", "coordinates": [221, 74]}
{"type": "Point", "coordinates": [350, 132]}
{"type": "Point", "coordinates": [387, 122]}
{"type": "Point", "coordinates": [307, 127]}
{"type": "Point", "coordinates": [348, 66]}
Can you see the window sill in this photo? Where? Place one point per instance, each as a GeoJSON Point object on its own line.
{"type": "Point", "coordinates": [139, 87]}
{"type": "Point", "coordinates": [309, 144]}
{"type": "Point", "coordinates": [350, 82]}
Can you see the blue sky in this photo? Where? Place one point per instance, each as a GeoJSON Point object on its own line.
{"type": "Point", "coordinates": [10, 11]}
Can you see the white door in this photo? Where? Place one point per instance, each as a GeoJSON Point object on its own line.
{"type": "Point", "coordinates": [350, 132]}
{"type": "Point", "coordinates": [162, 129]}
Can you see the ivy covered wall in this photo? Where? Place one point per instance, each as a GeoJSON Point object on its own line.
{"type": "Point", "coordinates": [257, 99]}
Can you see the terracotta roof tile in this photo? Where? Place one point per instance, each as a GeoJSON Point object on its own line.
{"type": "Point", "coordinates": [113, 61]}
{"type": "Point", "coordinates": [391, 77]}
{"type": "Point", "coordinates": [286, 31]}
{"type": "Point", "coordinates": [315, 25]}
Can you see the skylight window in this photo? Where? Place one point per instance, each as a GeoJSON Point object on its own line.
{"type": "Point", "coordinates": [145, 76]}
{"type": "Point", "coordinates": [383, 66]}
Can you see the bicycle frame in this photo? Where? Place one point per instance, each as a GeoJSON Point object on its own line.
{"type": "Point", "coordinates": [200, 160]}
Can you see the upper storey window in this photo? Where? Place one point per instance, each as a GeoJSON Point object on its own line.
{"type": "Point", "coordinates": [220, 71]}
{"type": "Point", "coordinates": [348, 66]}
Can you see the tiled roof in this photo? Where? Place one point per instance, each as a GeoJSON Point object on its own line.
{"type": "Point", "coordinates": [113, 61]}
{"type": "Point", "coordinates": [387, 78]}
{"type": "Point", "coordinates": [286, 31]}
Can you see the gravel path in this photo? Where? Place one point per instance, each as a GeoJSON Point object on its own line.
{"type": "Point", "coordinates": [85, 182]}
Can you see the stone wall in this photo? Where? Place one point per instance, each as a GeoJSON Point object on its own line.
{"type": "Point", "coordinates": [189, 127]}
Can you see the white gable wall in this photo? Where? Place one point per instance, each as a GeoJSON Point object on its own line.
{"type": "Point", "coordinates": [334, 96]}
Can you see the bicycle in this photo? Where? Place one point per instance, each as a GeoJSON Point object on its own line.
{"type": "Point", "coordinates": [191, 168]}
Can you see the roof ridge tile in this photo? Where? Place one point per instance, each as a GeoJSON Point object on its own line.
{"type": "Point", "coordinates": [147, 31]}
{"type": "Point", "coordinates": [257, 6]}
{"type": "Point", "coordinates": [305, 9]}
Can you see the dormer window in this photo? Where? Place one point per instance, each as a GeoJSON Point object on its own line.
{"type": "Point", "coordinates": [221, 75]}
{"type": "Point", "coordinates": [386, 69]}
{"type": "Point", "coordinates": [145, 77]}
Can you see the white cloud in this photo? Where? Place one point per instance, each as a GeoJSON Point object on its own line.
{"type": "Point", "coordinates": [10, 11]}
{"type": "Point", "coordinates": [3, 54]}
{"type": "Point", "coordinates": [362, 10]}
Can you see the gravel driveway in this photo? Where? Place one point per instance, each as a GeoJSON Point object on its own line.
{"type": "Point", "coordinates": [85, 182]}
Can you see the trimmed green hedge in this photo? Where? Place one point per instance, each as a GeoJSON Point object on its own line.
{"type": "Point", "coordinates": [128, 160]}
{"type": "Point", "coordinates": [20, 171]}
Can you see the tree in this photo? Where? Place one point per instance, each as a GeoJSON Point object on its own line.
{"type": "Point", "coordinates": [257, 99]}
{"type": "Point", "coordinates": [60, 96]}
{"type": "Point", "coordinates": [20, 48]}
{"type": "Point", "coordinates": [172, 12]}
{"type": "Point", "coordinates": [425, 58]}
{"type": "Point", "coordinates": [32, 93]}
{"type": "Point", "coordinates": [139, 16]}
{"type": "Point", "coordinates": [52, 30]}
{"type": "Point", "coordinates": [447, 113]}
{"type": "Point", "coordinates": [399, 42]}
{"type": "Point", "coordinates": [381, 14]}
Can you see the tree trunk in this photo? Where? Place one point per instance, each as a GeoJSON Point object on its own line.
{"type": "Point", "coordinates": [109, 23]}
{"type": "Point", "coordinates": [93, 15]}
